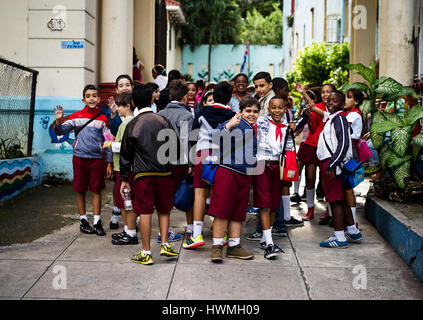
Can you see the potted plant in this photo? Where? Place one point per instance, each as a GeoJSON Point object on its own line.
{"type": "Point", "coordinates": [393, 130]}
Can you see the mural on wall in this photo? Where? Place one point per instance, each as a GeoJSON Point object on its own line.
{"type": "Point", "coordinates": [60, 139]}
{"type": "Point", "coordinates": [17, 175]}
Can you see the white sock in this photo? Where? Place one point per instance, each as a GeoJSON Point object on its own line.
{"type": "Point", "coordinates": [198, 228]}
{"type": "Point", "coordinates": [286, 207]}
{"type": "Point", "coordinates": [340, 236]}
{"type": "Point", "coordinates": [83, 217]}
{"type": "Point", "coordinates": [297, 185]}
{"type": "Point", "coordinates": [234, 242]}
{"type": "Point", "coordinates": [352, 229]}
{"type": "Point", "coordinates": [217, 241]}
{"type": "Point", "coordinates": [310, 197]}
{"type": "Point", "coordinates": [131, 233]}
{"type": "Point", "coordinates": [190, 227]}
{"type": "Point", "coordinates": [166, 243]}
{"type": "Point", "coordinates": [354, 213]}
{"type": "Point", "coordinates": [330, 210]}
{"type": "Point", "coordinates": [125, 228]}
{"type": "Point", "coordinates": [144, 252]}
{"type": "Point", "coordinates": [268, 236]}
{"type": "Point", "coordinates": [96, 218]}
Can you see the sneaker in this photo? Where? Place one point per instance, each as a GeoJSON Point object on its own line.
{"type": "Point", "coordinates": [84, 227]}
{"type": "Point", "coordinates": [216, 253]}
{"type": "Point", "coordinates": [143, 259]}
{"type": "Point", "coordinates": [171, 237]}
{"type": "Point", "coordinates": [189, 234]}
{"type": "Point", "coordinates": [225, 239]}
{"type": "Point", "coordinates": [127, 239]}
{"type": "Point", "coordinates": [99, 228]}
{"type": "Point", "coordinates": [253, 211]}
{"type": "Point", "coordinates": [254, 236]}
{"type": "Point", "coordinates": [118, 235]}
{"type": "Point", "coordinates": [292, 223]}
{"type": "Point", "coordinates": [333, 243]}
{"type": "Point", "coordinates": [263, 246]}
{"type": "Point", "coordinates": [193, 242]}
{"type": "Point", "coordinates": [310, 215]}
{"type": "Point", "coordinates": [325, 221]}
{"type": "Point", "coordinates": [279, 232]}
{"type": "Point", "coordinates": [114, 221]}
{"type": "Point", "coordinates": [296, 198]}
{"type": "Point", "coordinates": [354, 238]}
{"type": "Point", "coordinates": [270, 252]}
{"type": "Point", "coordinates": [239, 253]}
{"type": "Point", "coordinates": [167, 251]}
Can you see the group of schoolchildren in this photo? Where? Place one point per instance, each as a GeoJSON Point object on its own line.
{"type": "Point", "coordinates": [121, 140]}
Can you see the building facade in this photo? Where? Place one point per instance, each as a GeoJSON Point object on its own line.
{"type": "Point", "coordinates": [72, 43]}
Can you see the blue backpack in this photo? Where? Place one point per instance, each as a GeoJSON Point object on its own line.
{"type": "Point", "coordinates": [184, 197]}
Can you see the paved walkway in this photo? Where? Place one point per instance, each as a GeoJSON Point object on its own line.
{"type": "Point", "coordinates": [71, 265]}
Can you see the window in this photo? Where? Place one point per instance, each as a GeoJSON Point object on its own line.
{"type": "Point", "coordinates": [333, 28]}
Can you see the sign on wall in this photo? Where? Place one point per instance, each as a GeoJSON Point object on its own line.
{"type": "Point", "coordinates": [73, 44]}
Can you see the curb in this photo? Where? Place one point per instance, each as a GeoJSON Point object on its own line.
{"type": "Point", "coordinates": [401, 232]}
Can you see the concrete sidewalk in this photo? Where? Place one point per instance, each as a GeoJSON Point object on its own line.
{"type": "Point", "coordinates": [90, 267]}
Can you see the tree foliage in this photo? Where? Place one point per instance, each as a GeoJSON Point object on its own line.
{"type": "Point", "coordinates": [263, 30]}
{"type": "Point", "coordinates": [321, 63]}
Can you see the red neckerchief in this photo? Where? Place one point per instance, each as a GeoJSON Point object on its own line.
{"type": "Point", "coordinates": [278, 129]}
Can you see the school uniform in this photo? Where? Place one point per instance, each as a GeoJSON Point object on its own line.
{"type": "Point", "coordinates": [154, 187]}
{"type": "Point", "coordinates": [355, 119]}
{"type": "Point", "coordinates": [308, 149]}
{"type": "Point", "coordinates": [207, 119]}
{"type": "Point", "coordinates": [336, 132]}
{"type": "Point", "coordinates": [231, 188]}
{"type": "Point", "coordinates": [268, 185]}
{"type": "Point", "coordinates": [88, 158]}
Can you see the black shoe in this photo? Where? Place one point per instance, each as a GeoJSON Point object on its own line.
{"type": "Point", "coordinates": [325, 220]}
{"type": "Point", "coordinates": [296, 198]}
{"type": "Point", "coordinates": [99, 228]}
{"type": "Point", "coordinates": [270, 252]}
{"type": "Point", "coordinates": [118, 235]}
{"type": "Point", "coordinates": [294, 223]}
{"type": "Point", "coordinates": [127, 239]}
{"type": "Point", "coordinates": [114, 226]}
{"type": "Point", "coordinates": [85, 227]}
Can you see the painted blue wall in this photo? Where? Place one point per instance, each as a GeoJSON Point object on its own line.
{"type": "Point", "coordinates": [226, 57]}
{"type": "Point", "coordinates": [57, 157]}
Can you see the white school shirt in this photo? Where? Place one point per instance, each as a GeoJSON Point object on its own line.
{"type": "Point", "coordinates": [356, 122]}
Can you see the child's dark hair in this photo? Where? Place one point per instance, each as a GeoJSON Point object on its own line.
{"type": "Point", "coordinates": [211, 86]}
{"type": "Point", "coordinates": [333, 87]}
{"type": "Point", "coordinates": [201, 84]}
{"type": "Point", "coordinates": [223, 93]}
{"type": "Point", "coordinates": [123, 99]}
{"type": "Point", "coordinates": [317, 93]}
{"type": "Point", "coordinates": [89, 87]}
{"type": "Point", "coordinates": [174, 75]}
{"type": "Point", "coordinates": [241, 75]}
{"type": "Point", "coordinates": [277, 98]}
{"type": "Point", "coordinates": [204, 98]}
{"type": "Point", "coordinates": [279, 84]}
{"type": "Point", "coordinates": [248, 102]}
{"type": "Point", "coordinates": [263, 75]}
{"type": "Point", "coordinates": [177, 90]}
{"type": "Point", "coordinates": [160, 70]}
{"type": "Point", "coordinates": [357, 95]}
{"type": "Point", "coordinates": [124, 76]}
{"type": "Point", "coordinates": [142, 96]}
{"type": "Point", "coordinates": [338, 92]}
{"type": "Point", "coordinates": [152, 86]}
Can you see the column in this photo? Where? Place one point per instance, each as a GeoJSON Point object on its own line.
{"type": "Point", "coordinates": [396, 40]}
{"type": "Point", "coordinates": [117, 33]}
{"type": "Point", "coordinates": [363, 33]}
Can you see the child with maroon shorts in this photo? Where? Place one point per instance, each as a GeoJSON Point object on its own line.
{"type": "Point", "coordinates": [125, 110]}
{"type": "Point", "coordinates": [335, 149]}
{"type": "Point", "coordinates": [153, 176]}
{"type": "Point", "coordinates": [88, 157]}
{"type": "Point", "coordinates": [231, 188]}
{"type": "Point", "coordinates": [268, 187]}
{"type": "Point", "coordinates": [207, 119]}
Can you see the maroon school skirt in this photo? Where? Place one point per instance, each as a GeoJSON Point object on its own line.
{"type": "Point", "coordinates": [308, 154]}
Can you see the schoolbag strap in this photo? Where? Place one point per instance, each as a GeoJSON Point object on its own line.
{"type": "Point", "coordinates": [86, 124]}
